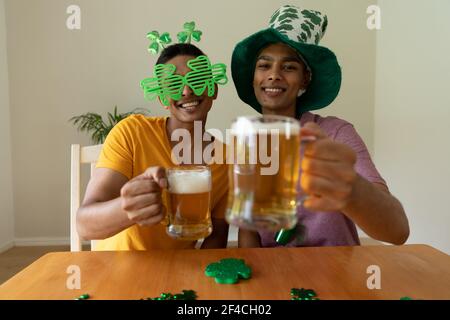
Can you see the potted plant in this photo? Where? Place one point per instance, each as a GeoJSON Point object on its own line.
{"type": "Point", "coordinates": [94, 124]}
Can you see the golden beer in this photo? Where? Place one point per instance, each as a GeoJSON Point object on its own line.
{"type": "Point", "coordinates": [189, 211]}
{"type": "Point", "coordinates": [264, 175]}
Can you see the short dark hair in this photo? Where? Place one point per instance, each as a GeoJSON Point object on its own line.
{"type": "Point", "coordinates": [179, 49]}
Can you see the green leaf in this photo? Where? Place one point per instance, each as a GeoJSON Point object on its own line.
{"type": "Point", "coordinates": [306, 29]}
{"type": "Point", "coordinates": [303, 37]}
{"type": "Point", "coordinates": [317, 39]}
{"type": "Point", "coordinates": [98, 129]}
{"type": "Point", "coordinates": [197, 35]}
{"type": "Point", "coordinates": [309, 24]}
{"type": "Point", "coordinates": [165, 38]}
{"type": "Point", "coordinates": [324, 25]}
{"type": "Point", "coordinates": [291, 10]}
{"type": "Point", "coordinates": [287, 15]}
{"type": "Point", "coordinates": [153, 35]}
{"type": "Point", "coordinates": [189, 26]}
{"type": "Point", "coordinates": [274, 16]}
{"type": "Point", "coordinates": [283, 27]}
{"type": "Point", "coordinates": [153, 48]}
{"type": "Point", "coordinates": [182, 36]}
{"type": "Point", "coordinates": [312, 16]}
{"type": "Point", "coordinates": [111, 118]}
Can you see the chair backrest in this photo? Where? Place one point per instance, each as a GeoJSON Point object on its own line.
{"type": "Point", "coordinates": [79, 155]}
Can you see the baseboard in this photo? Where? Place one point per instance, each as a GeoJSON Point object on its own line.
{"type": "Point", "coordinates": [6, 246]}
{"type": "Point", "coordinates": [41, 241]}
{"type": "Point", "coordinates": [44, 241]}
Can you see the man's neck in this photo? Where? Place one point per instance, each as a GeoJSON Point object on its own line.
{"type": "Point", "coordinates": [287, 112]}
{"type": "Point", "coordinates": [174, 124]}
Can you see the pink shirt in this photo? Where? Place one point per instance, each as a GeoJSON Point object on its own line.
{"type": "Point", "coordinates": [330, 228]}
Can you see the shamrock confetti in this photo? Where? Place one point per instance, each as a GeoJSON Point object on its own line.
{"type": "Point", "coordinates": [157, 41]}
{"type": "Point", "coordinates": [228, 271]}
{"type": "Point", "coordinates": [188, 33]}
{"type": "Point", "coordinates": [406, 298]}
{"type": "Point", "coordinates": [303, 294]}
{"type": "Point", "coordinates": [186, 295]}
{"type": "Point", "coordinates": [83, 297]}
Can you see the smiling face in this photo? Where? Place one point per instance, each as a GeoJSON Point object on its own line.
{"type": "Point", "coordinates": [190, 107]}
{"type": "Point", "coordinates": [279, 76]}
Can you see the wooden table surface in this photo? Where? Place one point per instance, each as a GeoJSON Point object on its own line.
{"type": "Point", "coordinates": [417, 271]}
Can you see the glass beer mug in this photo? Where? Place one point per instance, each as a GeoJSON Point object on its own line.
{"type": "Point", "coordinates": [264, 157]}
{"type": "Point", "coordinates": [189, 193]}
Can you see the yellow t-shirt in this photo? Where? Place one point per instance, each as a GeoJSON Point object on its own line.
{"type": "Point", "coordinates": [133, 145]}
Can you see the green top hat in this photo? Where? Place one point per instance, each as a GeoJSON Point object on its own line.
{"type": "Point", "coordinates": [302, 30]}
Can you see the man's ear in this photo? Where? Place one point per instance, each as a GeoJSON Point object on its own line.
{"type": "Point", "coordinates": [162, 104]}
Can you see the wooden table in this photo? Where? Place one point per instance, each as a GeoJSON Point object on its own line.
{"type": "Point", "coordinates": [417, 271]}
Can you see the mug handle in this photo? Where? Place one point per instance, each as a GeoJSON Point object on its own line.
{"type": "Point", "coordinates": [303, 141]}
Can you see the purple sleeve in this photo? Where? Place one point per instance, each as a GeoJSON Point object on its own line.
{"type": "Point", "coordinates": [364, 165]}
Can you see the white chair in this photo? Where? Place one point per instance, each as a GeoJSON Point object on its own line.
{"type": "Point", "coordinates": [79, 155]}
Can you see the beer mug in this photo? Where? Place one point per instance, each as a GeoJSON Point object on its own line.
{"type": "Point", "coordinates": [188, 201]}
{"type": "Point", "coordinates": [264, 153]}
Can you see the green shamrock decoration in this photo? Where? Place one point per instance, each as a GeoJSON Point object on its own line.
{"type": "Point", "coordinates": [166, 84]}
{"type": "Point", "coordinates": [158, 41]}
{"type": "Point", "coordinates": [188, 33]}
{"type": "Point", "coordinates": [83, 297]}
{"type": "Point", "coordinates": [204, 75]}
{"type": "Point", "coordinates": [303, 294]}
{"type": "Point", "coordinates": [186, 295]}
{"type": "Point", "coordinates": [228, 271]}
{"type": "Point", "coordinates": [408, 298]}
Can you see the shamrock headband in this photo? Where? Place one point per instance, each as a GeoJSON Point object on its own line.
{"type": "Point", "coordinates": [158, 42]}
{"type": "Point", "coordinates": [166, 84]}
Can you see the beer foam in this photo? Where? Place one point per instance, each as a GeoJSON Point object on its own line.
{"type": "Point", "coordinates": [244, 126]}
{"type": "Point", "coordinates": [189, 181]}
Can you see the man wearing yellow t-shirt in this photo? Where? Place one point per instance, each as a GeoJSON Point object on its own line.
{"type": "Point", "coordinates": [123, 205]}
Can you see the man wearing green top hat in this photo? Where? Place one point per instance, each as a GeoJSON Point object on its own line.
{"type": "Point", "coordinates": [283, 70]}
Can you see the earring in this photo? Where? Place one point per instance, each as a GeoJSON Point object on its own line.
{"type": "Point", "coordinates": [300, 92]}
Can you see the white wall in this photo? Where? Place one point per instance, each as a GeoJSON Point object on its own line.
{"type": "Point", "coordinates": [6, 196]}
{"type": "Point", "coordinates": [412, 113]}
{"type": "Point", "coordinates": [56, 74]}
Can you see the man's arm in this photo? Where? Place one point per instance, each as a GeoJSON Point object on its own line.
{"type": "Point", "coordinates": [113, 203]}
{"type": "Point", "coordinates": [101, 216]}
{"type": "Point", "coordinates": [379, 214]}
{"type": "Point", "coordinates": [332, 184]}
{"type": "Point", "coordinates": [248, 239]}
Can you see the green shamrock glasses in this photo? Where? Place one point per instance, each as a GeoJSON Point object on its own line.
{"type": "Point", "coordinates": [166, 84]}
